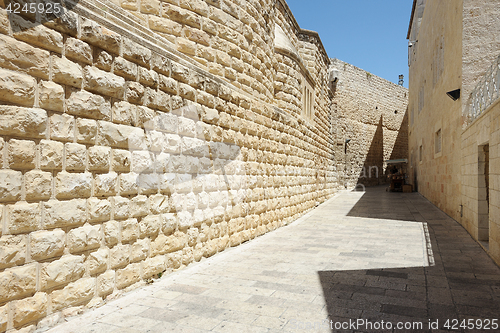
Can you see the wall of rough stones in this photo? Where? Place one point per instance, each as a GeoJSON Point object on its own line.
{"type": "Point", "coordinates": [139, 137]}
{"type": "Point", "coordinates": [372, 113]}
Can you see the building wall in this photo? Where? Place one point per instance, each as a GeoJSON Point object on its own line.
{"type": "Point", "coordinates": [457, 43]}
{"type": "Point", "coordinates": [371, 113]}
{"type": "Point", "coordinates": [137, 139]}
{"type": "Point", "coordinates": [435, 70]}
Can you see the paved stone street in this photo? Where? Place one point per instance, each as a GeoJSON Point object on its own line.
{"type": "Point", "coordinates": [373, 256]}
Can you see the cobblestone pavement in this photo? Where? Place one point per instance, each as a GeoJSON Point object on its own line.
{"type": "Point", "coordinates": [372, 257]}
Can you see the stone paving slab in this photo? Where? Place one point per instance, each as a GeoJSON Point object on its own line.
{"type": "Point", "coordinates": [368, 256]}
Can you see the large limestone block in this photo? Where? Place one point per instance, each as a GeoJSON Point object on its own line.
{"type": "Point", "coordinates": [99, 158]}
{"type": "Point", "coordinates": [128, 275]}
{"type": "Point", "coordinates": [86, 130]}
{"type": "Point", "coordinates": [120, 207]}
{"type": "Point", "coordinates": [51, 97]}
{"type": "Point", "coordinates": [139, 250]}
{"type": "Point", "coordinates": [17, 88]}
{"type": "Point", "coordinates": [47, 244]}
{"type": "Point", "coordinates": [74, 293]}
{"type": "Point", "coordinates": [123, 113]}
{"type": "Point", "coordinates": [121, 136]}
{"type": "Point", "coordinates": [10, 185]}
{"type": "Point", "coordinates": [136, 53]}
{"type": "Point", "coordinates": [99, 210]}
{"type": "Point", "coordinates": [67, 269]}
{"type": "Point", "coordinates": [119, 255]}
{"type": "Point", "coordinates": [12, 250]}
{"type": "Point", "coordinates": [100, 36]}
{"type": "Point", "coordinates": [106, 283]}
{"type": "Point", "coordinates": [23, 122]}
{"type": "Point", "coordinates": [76, 156]}
{"type": "Point", "coordinates": [111, 232]}
{"type": "Point", "coordinates": [21, 154]}
{"type": "Point", "coordinates": [153, 266]}
{"type": "Point", "coordinates": [97, 261]}
{"type": "Point", "coordinates": [139, 206]}
{"type": "Point", "coordinates": [30, 309]}
{"type": "Point", "coordinates": [149, 225]}
{"type": "Point", "coordinates": [78, 50]}
{"type": "Point", "coordinates": [128, 183]}
{"type": "Point", "coordinates": [51, 154]}
{"type": "Point", "coordinates": [36, 34]}
{"type": "Point", "coordinates": [64, 213]}
{"type": "Point", "coordinates": [66, 72]}
{"type": "Point", "coordinates": [73, 185]}
{"type": "Point", "coordinates": [85, 104]}
{"type": "Point", "coordinates": [103, 82]}
{"type": "Point", "coordinates": [84, 238]}
{"type": "Point", "coordinates": [17, 282]}
{"type": "Point", "coordinates": [38, 185]}
{"type": "Point", "coordinates": [22, 57]}
{"type": "Point", "coordinates": [23, 217]}
{"type": "Point", "coordinates": [130, 230]}
{"type": "Point", "coordinates": [120, 160]}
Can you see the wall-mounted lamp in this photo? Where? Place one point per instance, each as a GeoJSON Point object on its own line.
{"type": "Point", "coordinates": [454, 94]}
{"type": "Point", "coordinates": [412, 42]}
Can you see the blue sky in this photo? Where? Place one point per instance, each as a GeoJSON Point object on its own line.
{"type": "Point", "coordinates": [365, 33]}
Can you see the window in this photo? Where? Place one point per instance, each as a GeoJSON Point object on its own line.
{"type": "Point", "coordinates": [437, 142]}
{"type": "Point", "coordinates": [307, 101]}
{"type": "Point", "coordinates": [438, 61]}
{"type": "Point", "coordinates": [420, 151]}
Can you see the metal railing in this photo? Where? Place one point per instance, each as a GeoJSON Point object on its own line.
{"type": "Point", "coordinates": [486, 92]}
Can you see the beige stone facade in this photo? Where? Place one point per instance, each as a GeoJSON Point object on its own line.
{"type": "Point", "coordinates": [453, 144]}
{"type": "Point", "coordinates": [138, 137]}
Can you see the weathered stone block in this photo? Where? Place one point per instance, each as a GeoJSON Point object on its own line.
{"type": "Point", "coordinates": [148, 77]}
{"type": "Point", "coordinates": [128, 183]}
{"type": "Point", "coordinates": [121, 136]}
{"type": "Point", "coordinates": [100, 36]}
{"type": "Point", "coordinates": [51, 155]}
{"type": "Point", "coordinates": [51, 97]}
{"type": "Point", "coordinates": [105, 283]}
{"type": "Point", "coordinates": [159, 63]}
{"type": "Point", "coordinates": [17, 88]}
{"type": "Point", "coordinates": [120, 160]}
{"type": "Point", "coordinates": [99, 157]}
{"type": "Point", "coordinates": [106, 184]}
{"type": "Point", "coordinates": [104, 60]}
{"type": "Point", "coordinates": [36, 34]}
{"type": "Point", "coordinates": [139, 206]}
{"type": "Point", "coordinates": [139, 250]}
{"type": "Point", "coordinates": [124, 113]}
{"type": "Point", "coordinates": [62, 125]}
{"type": "Point", "coordinates": [76, 157]}
{"type": "Point", "coordinates": [120, 207]}
{"type": "Point", "coordinates": [22, 57]}
{"type": "Point", "coordinates": [13, 251]}
{"type": "Point", "coordinates": [103, 82]}
{"type": "Point", "coordinates": [97, 261]}
{"type": "Point", "coordinates": [84, 238]}
{"type": "Point", "coordinates": [111, 232]}
{"type": "Point", "coordinates": [24, 122]}
{"type": "Point", "coordinates": [153, 266]}
{"type": "Point", "coordinates": [30, 309]}
{"type": "Point", "coordinates": [64, 213]}
{"type": "Point", "coordinates": [66, 72]}
{"type": "Point", "coordinates": [73, 185]}
{"type": "Point", "coordinates": [119, 255]}
{"type": "Point", "coordinates": [17, 282]}
{"type": "Point", "coordinates": [78, 50]}
{"type": "Point", "coordinates": [74, 293]}
{"type": "Point", "coordinates": [23, 217]}
{"type": "Point", "coordinates": [38, 185]}
{"type": "Point", "coordinates": [66, 269]}
{"type": "Point", "coordinates": [85, 104]}
{"type": "Point", "coordinates": [149, 225]}
{"type": "Point", "coordinates": [150, 7]}
{"type": "Point", "coordinates": [4, 316]}
{"type": "Point", "coordinates": [128, 275]}
{"type": "Point", "coordinates": [21, 154]}
{"type": "Point", "coordinates": [99, 210]}
{"type": "Point", "coordinates": [159, 204]}
{"type": "Point", "coordinates": [130, 230]}
{"type": "Point", "coordinates": [47, 244]}
{"type": "Point", "coordinates": [86, 130]}
{"type": "Point", "coordinates": [10, 185]}
{"type": "Point", "coordinates": [136, 53]}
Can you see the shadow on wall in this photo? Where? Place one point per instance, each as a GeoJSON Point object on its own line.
{"type": "Point", "coordinates": [372, 171]}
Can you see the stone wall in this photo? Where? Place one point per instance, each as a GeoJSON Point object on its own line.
{"type": "Point", "coordinates": [371, 113]}
{"type": "Point", "coordinates": [137, 138]}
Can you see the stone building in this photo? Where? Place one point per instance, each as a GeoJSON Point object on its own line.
{"type": "Point", "coordinates": [140, 136]}
{"type": "Point", "coordinates": [454, 115]}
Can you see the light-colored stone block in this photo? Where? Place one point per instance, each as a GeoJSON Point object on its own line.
{"type": "Point", "coordinates": [23, 217]}
{"type": "Point", "coordinates": [47, 244]}
{"type": "Point", "coordinates": [13, 251]}
{"type": "Point", "coordinates": [84, 238]}
{"type": "Point", "coordinates": [66, 269]}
